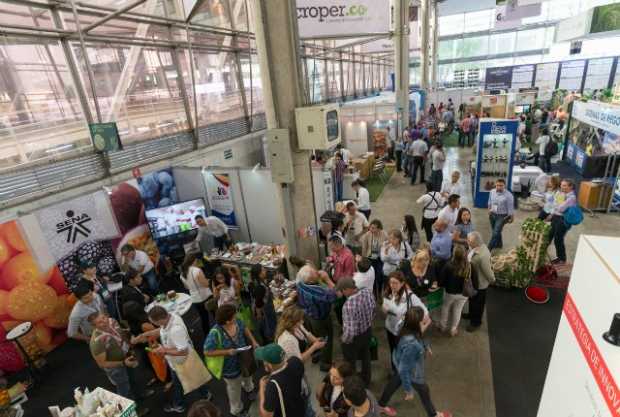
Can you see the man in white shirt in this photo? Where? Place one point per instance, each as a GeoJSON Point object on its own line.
{"type": "Point", "coordinates": [175, 347]}
{"type": "Point", "coordinates": [215, 227]}
{"type": "Point", "coordinates": [140, 262]}
{"type": "Point", "coordinates": [363, 198]}
{"type": "Point", "coordinates": [450, 212]}
{"type": "Point", "coordinates": [452, 186]}
{"type": "Point", "coordinates": [542, 142]}
{"type": "Point", "coordinates": [346, 154]}
{"type": "Point", "coordinates": [431, 206]}
{"type": "Point", "coordinates": [438, 158]}
{"type": "Point", "coordinates": [365, 275]}
{"type": "Point", "coordinates": [355, 225]}
{"type": "Point", "coordinates": [418, 150]}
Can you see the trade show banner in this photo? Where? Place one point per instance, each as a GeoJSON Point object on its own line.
{"type": "Point", "coordinates": [584, 371]}
{"type": "Point", "coordinates": [67, 225]}
{"type": "Point", "coordinates": [318, 18]}
{"type": "Point", "coordinates": [600, 115]}
{"type": "Point", "coordinates": [29, 293]}
{"type": "Point", "coordinates": [498, 78]}
{"type": "Point", "coordinates": [219, 195]}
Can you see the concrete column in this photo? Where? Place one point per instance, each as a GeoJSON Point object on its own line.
{"type": "Point", "coordinates": [401, 47]}
{"type": "Point", "coordinates": [277, 40]}
{"type": "Point", "coordinates": [424, 42]}
{"type": "Point", "coordinates": [435, 45]}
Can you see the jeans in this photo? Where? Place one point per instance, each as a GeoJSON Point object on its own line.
{"type": "Point", "coordinates": [359, 349]}
{"type": "Point", "coordinates": [462, 138]}
{"type": "Point", "coordinates": [451, 310]}
{"type": "Point", "coordinates": [377, 265]}
{"type": "Point", "coordinates": [427, 225]}
{"type": "Point", "coordinates": [151, 279]}
{"type": "Point", "coordinates": [497, 225]}
{"type": "Point", "coordinates": [233, 390]}
{"type": "Point", "coordinates": [324, 328]}
{"type": "Point", "coordinates": [476, 307]}
{"type": "Point", "coordinates": [405, 163]}
{"type": "Point", "coordinates": [436, 179]}
{"type": "Point", "coordinates": [123, 379]}
{"type": "Point", "coordinates": [418, 163]}
{"type": "Point", "coordinates": [338, 190]}
{"type": "Point", "coordinates": [546, 163]}
{"type": "Point", "coordinates": [399, 159]}
{"type": "Point", "coordinates": [558, 232]}
{"type": "Point", "coordinates": [422, 389]}
{"type": "Point", "coordinates": [392, 343]}
{"type": "Point", "coordinates": [178, 396]}
{"type": "Point", "coordinates": [470, 138]}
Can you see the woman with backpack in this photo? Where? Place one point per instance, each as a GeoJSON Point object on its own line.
{"type": "Point", "coordinates": [562, 218]}
{"type": "Point", "coordinates": [432, 203]}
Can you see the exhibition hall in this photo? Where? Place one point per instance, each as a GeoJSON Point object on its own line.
{"type": "Point", "coordinates": [317, 208]}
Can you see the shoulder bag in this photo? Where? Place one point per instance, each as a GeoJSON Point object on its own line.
{"type": "Point", "coordinates": [280, 397]}
{"type": "Point", "coordinates": [215, 364]}
{"type": "Point", "coordinates": [468, 286]}
{"type": "Point", "coordinates": [192, 373]}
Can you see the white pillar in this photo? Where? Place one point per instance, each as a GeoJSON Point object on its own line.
{"type": "Point", "coordinates": [401, 46]}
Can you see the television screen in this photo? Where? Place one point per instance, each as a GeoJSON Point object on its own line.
{"type": "Point", "coordinates": [175, 219]}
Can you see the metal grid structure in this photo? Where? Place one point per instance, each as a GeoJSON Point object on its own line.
{"type": "Point", "coordinates": [173, 79]}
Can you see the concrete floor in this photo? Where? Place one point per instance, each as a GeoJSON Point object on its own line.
{"type": "Point", "coordinates": [459, 372]}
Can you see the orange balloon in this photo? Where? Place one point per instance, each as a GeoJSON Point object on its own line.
{"type": "Point", "coordinates": [43, 335]}
{"type": "Point", "coordinates": [13, 235]}
{"type": "Point", "coordinates": [31, 301]}
{"type": "Point", "coordinates": [20, 269]}
{"type": "Point", "coordinates": [6, 251]}
{"type": "Point", "coordinates": [60, 317]}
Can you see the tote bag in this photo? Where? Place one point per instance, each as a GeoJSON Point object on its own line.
{"type": "Point", "coordinates": [192, 373]}
{"type": "Point", "coordinates": [215, 364]}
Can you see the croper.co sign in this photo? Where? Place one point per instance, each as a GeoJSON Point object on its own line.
{"type": "Point", "coordinates": [317, 18]}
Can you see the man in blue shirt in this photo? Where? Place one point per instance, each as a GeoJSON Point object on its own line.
{"type": "Point", "coordinates": [441, 244]}
{"type": "Point", "coordinates": [501, 211]}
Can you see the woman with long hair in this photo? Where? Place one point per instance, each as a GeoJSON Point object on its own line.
{"type": "Point", "coordinates": [420, 273]}
{"type": "Point", "coordinates": [452, 278]}
{"type": "Point", "coordinates": [225, 289]}
{"type": "Point", "coordinates": [199, 287]}
{"type": "Point", "coordinates": [394, 251]}
{"type": "Point", "coordinates": [372, 242]}
{"type": "Point", "coordinates": [330, 393]}
{"type": "Point", "coordinates": [408, 358]}
{"type": "Point", "coordinates": [293, 337]}
{"type": "Point", "coordinates": [410, 232]}
{"type": "Point", "coordinates": [397, 300]}
{"type": "Point", "coordinates": [462, 227]}
{"type": "Point", "coordinates": [262, 303]}
{"type": "Point", "coordinates": [553, 186]}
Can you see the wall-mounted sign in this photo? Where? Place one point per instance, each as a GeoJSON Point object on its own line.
{"type": "Point", "coordinates": [105, 137]}
{"type": "Point", "coordinates": [320, 18]}
{"type": "Point", "coordinates": [498, 78]}
{"type": "Point", "coordinates": [219, 195]}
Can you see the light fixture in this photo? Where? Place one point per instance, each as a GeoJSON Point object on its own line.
{"type": "Point", "coordinates": [613, 335]}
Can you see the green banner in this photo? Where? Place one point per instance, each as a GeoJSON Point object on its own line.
{"type": "Point", "coordinates": [605, 18]}
{"type": "Point", "coordinates": [105, 137]}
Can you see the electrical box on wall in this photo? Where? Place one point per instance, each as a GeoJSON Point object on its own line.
{"type": "Point", "coordinates": [318, 127]}
{"type": "Point", "coordinates": [279, 148]}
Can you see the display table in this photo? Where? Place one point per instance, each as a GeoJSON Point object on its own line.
{"type": "Point", "coordinates": [179, 306]}
{"type": "Point", "coordinates": [525, 175]}
{"type": "Point", "coordinates": [247, 255]}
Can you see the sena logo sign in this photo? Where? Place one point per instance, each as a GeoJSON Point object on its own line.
{"type": "Point", "coordinates": [74, 225]}
{"type": "Point", "coordinates": [331, 12]}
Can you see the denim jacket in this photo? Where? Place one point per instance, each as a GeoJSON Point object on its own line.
{"type": "Point", "coordinates": [408, 358]}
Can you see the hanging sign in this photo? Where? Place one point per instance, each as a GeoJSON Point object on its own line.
{"type": "Point", "coordinates": [598, 115]}
{"type": "Point", "coordinates": [319, 18]}
{"type": "Point", "coordinates": [105, 137]}
{"type": "Point", "coordinates": [498, 78]}
{"type": "Point", "coordinates": [219, 195]}
{"type": "Point", "coordinates": [67, 225]}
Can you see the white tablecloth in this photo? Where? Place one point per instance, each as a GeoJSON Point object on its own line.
{"type": "Point", "coordinates": [181, 304]}
{"type": "Point", "coordinates": [526, 175]}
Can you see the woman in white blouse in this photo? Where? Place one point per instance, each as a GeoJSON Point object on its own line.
{"type": "Point", "coordinates": [199, 287]}
{"type": "Point", "coordinates": [397, 300]}
{"type": "Point", "coordinates": [293, 337]}
{"type": "Point", "coordinates": [393, 251]}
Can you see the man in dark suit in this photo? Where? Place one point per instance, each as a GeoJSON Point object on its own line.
{"type": "Point", "coordinates": [131, 289]}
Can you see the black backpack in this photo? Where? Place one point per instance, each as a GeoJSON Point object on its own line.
{"type": "Point", "coordinates": [551, 148]}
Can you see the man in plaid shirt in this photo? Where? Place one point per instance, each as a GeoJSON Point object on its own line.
{"type": "Point", "coordinates": [358, 313]}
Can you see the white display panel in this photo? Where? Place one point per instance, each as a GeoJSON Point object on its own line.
{"type": "Point", "coordinates": [571, 76]}
{"type": "Point", "coordinates": [522, 76]}
{"type": "Point", "coordinates": [547, 75]}
{"type": "Point", "coordinates": [582, 379]}
{"type": "Point", "coordinates": [599, 71]}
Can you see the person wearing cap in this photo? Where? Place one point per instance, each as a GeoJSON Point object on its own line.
{"type": "Point", "coordinates": [316, 295]}
{"type": "Point", "coordinates": [358, 313]}
{"type": "Point", "coordinates": [281, 392]}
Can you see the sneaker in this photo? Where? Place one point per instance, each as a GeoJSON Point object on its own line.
{"type": "Point", "coordinates": [388, 411]}
{"type": "Point", "coordinates": [454, 332]}
{"type": "Point", "coordinates": [174, 409]}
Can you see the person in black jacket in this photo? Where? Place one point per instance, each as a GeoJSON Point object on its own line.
{"type": "Point", "coordinates": [131, 289]}
{"type": "Point", "coordinates": [262, 303]}
{"type": "Point", "coordinates": [452, 278]}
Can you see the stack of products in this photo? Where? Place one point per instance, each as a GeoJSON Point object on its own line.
{"type": "Point", "coordinates": [269, 256]}
{"type": "Point", "coordinates": [283, 292]}
{"type": "Point", "coordinates": [99, 403]}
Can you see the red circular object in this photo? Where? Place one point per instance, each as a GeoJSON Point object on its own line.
{"type": "Point", "coordinates": [538, 295]}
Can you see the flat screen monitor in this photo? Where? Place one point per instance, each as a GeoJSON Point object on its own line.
{"type": "Point", "coordinates": [524, 108]}
{"type": "Point", "coordinates": [175, 219]}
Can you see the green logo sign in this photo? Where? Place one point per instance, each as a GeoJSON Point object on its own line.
{"type": "Point", "coordinates": [105, 137]}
